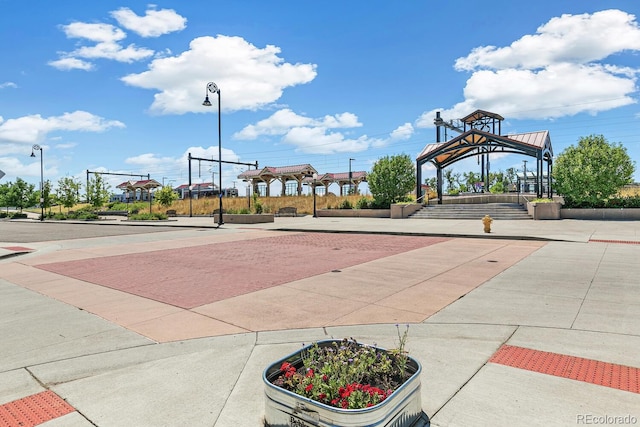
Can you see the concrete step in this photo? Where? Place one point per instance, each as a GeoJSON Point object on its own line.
{"type": "Point", "coordinates": [506, 211]}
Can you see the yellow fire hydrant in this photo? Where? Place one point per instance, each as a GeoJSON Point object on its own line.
{"type": "Point", "coordinates": [487, 220]}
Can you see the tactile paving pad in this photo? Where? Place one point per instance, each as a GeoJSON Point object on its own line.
{"type": "Point", "coordinates": [620, 377]}
{"type": "Point", "coordinates": [33, 410]}
{"type": "Point", "coordinates": [624, 242]}
{"type": "Point", "coordinates": [17, 248]}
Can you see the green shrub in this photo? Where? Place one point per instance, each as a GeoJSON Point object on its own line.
{"type": "Point", "coordinates": [346, 204]}
{"type": "Point", "coordinates": [363, 203]}
{"type": "Point", "coordinates": [18, 215]}
{"type": "Point", "coordinates": [497, 188]}
{"type": "Point", "coordinates": [244, 211]}
{"type": "Point", "coordinates": [155, 216]}
{"type": "Point", "coordinates": [3, 214]}
{"type": "Point", "coordinates": [543, 200]}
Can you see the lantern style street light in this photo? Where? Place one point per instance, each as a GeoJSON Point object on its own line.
{"type": "Point", "coordinates": [36, 147]}
{"type": "Point", "coordinates": [213, 88]}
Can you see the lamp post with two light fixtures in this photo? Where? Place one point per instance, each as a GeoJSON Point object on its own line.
{"type": "Point", "coordinates": [213, 88]}
{"type": "Point", "coordinates": [36, 147]}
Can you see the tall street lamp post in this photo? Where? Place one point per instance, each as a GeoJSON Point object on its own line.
{"type": "Point", "coordinates": [350, 177]}
{"type": "Point", "coordinates": [36, 147]}
{"type": "Point", "coordinates": [213, 88]}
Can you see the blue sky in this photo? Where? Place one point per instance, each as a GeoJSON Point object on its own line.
{"type": "Point", "coordinates": [118, 86]}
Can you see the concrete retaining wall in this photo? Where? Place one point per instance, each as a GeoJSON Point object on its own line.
{"type": "Point", "coordinates": [544, 210]}
{"type": "Point", "coordinates": [354, 213]}
{"type": "Point", "coordinates": [631, 214]}
{"type": "Point", "coordinates": [401, 211]}
{"type": "Point", "coordinates": [244, 218]}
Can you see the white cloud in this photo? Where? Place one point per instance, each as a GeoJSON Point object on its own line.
{"type": "Point", "coordinates": [8, 85]}
{"type": "Point", "coordinates": [66, 64]}
{"type": "Point", "coordinates": [318, 135]}
{"type": "Point", "coordinates": [558, 71]}
{"type": "Point", "coordinates": [107, 46]}
{"type": "Point", "coordinates": [99, 33]}
{"type": "Point", "coordinates": [578, 39]}
{"type": "Point", "coordinates": [35, 128]}
{"type": "Point", "coordinates": [248, 77]}
{"type": "Point", "coordinates": [113, 51]}
{"type": "Point", "coordinates": [153, 24]}
{"type": "Point", "coordinates": [403, 132]}
{"type": "Point", "coordinates": [317, 140]}
{"type": "Point", "coordinates": [282, 121]}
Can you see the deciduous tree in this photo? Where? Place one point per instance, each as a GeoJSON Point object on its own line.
{"type": "Point", "coordinates": [591, 172]}
{"type": "Point", "coordinates": [391, 179]}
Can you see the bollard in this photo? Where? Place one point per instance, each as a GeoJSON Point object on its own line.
{"type": "Point", "coordinates": [487, 220]}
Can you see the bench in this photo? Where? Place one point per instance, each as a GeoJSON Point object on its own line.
{"type": "Point", "coordinates": [113, 213]}
{"type": "Point", "coordinates": [171, 212]}
{"type": "Point", "coordinates": [287, 211]}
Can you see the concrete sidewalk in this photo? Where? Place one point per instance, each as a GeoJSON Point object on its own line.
{"type": "Point", "coordinates": [537, 323]}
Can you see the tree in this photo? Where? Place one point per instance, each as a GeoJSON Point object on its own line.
{"type": "Point", "coordinates": [4, 194]}
{"type": "Point", "coordinates": [453, 180]}
{"type": "Point", "coordinates": [97, 191]}
{"type": "Point", "coordinates": [47, 197]}
{"type": "Point", "coordinates": [470, 179]}
{"type": "Point", "coordinates": [165, 196]}
{"type": "Point", "coordinates": [21, 194]}
{"type": "Point", "coordinates": [391, 179]}
{"type": "Point", "coordinates": [68, 192]}
{"type": "Point", "coordinates": [593, 171]}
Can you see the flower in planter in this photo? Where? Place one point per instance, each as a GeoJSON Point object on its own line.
{"type": "Point", "coordinates": [347, 374]}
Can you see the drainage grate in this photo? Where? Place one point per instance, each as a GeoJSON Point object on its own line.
{"type": "Point", "coordinates": [623, 242]}
{"type": "Point", "coordinates": [33, 410]}
{"type": "Point", "coordinates": [620, 377]}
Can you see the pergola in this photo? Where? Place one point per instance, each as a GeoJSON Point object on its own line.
{"type": "Point", "coordinates": [480, 136]}
{"type": "Point", "coordinates": [144, 186]}
{"type": "Point", "coordinates": [341, 178]}
{"type": "Point", "coordinates": [283, 174]}
{"type": "Point", "coordinates": [301, 174]}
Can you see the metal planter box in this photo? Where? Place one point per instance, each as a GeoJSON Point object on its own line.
{"type": "Point", "coordinates": [283, 408]}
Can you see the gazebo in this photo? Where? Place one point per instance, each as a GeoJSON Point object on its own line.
{"type": "Point", "coordinates": [480, 136]}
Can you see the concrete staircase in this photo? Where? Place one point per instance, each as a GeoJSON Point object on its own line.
{"type": "Point", "coordinates": [508, 211]}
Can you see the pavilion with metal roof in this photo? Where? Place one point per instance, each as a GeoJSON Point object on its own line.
{"type": "Point", "coordinates": [480, 136]}
{"type": "Point", "coordinates": [132, 187]}
{"type": "Point", "coordinates": [301, 174]}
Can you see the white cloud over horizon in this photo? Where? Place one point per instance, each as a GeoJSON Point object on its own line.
{"type": "Point", "coordinates": [153, 24]}
{"type": "Point", "coordinates": [249, 77]}
{"type": "Point", "coordinates": [319, 136]}
{"type": "Point", "coordinates": [35, 128]}
{"type": "Point", "coordinates": [107, 38]}
{"type": "Point", "coordinates": [559, 71]}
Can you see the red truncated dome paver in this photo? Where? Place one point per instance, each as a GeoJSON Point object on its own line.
{"type": "Point", "coordinates": [17, 248]}
{"type": "Point", "coordinates": [625, 242]}
{"type": "Point", "coordinates": [33, 410]}
{"type": "Point", "coordinates": [620, 377]}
